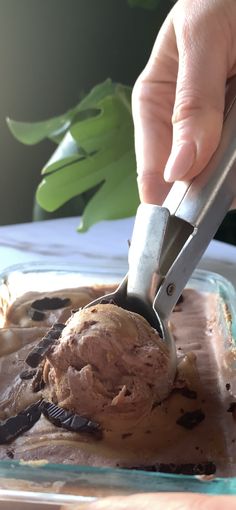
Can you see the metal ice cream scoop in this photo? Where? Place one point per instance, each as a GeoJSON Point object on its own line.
{"type": "Point", "coordinates": [168, 241]}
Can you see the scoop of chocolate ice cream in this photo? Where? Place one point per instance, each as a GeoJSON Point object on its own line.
{"type": "Point", "coordinates": [108, 360]}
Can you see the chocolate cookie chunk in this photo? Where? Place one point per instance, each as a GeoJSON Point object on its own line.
{"type": "Point", "coordinates": [16, 425]}
{"type": "Point", "coordinates": [37, 354]}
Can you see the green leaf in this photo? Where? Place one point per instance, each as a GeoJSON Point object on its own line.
{"type": "Point", "coordinates": [98, 93]}
{"type": "Point", "coordinates": [67, 152]}
{"type": "Point", "coordinates": [108, 160]}
{"type": "Point", "coordinates": [62, 163]}
{"type": "Point", "coordinates": [98, 132]}
{"type": "Point", "coordinates": [30, 133]}
{"type": "Point", "coordinates": [117, 198]}
{"type": "Point", "coordinates": [55, 128]}
{"type": "Point", "coordinates": [76, 177]}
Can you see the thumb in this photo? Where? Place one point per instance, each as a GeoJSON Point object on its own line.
{"type": "Point", "coordinates": [199, 103]}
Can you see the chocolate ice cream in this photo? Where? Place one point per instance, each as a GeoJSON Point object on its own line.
{"type": "Point", "coordinates": [99, 368]}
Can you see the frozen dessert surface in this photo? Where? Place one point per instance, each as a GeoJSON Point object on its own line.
{"type": "Point", "coordinates": [44, 309]}
{"type": "Point", "coordinates": [99, 368]}
{"type": "Point", "coordinates": [108, 360]}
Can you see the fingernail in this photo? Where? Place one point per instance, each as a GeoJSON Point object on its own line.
{"type": "Point", "coordinates": [180, 161]}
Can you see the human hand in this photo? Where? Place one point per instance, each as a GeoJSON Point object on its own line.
{"type": "Point", "coordinates": [178, 100]}
{"type": "Point", "coordinates": [161, 501]}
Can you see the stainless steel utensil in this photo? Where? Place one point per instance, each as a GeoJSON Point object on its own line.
{"type": "Point", "coordinates": [168, 241]}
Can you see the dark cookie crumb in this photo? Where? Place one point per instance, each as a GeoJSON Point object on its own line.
{"type": "Point", "coordinates": [203, 468]}
{"type": "Point", "coordinates": [37, 354]}
{"type": "Point", "coordinates": [10, 453]}
{"type": "Point", "coordinates": [227, 386]}
{"type": "Point", "coordinates": [36, 315]}
{"type": "Point", "coordinates": [107, 301]}
{"type": "Point", "coordinates": [126, 434]}
{"type": "Point", "coordinates": [186, 392]}
{"type": "Point", "coordinates": [38, 382]}
{"type": "Point", "coordinates": [48, 303]}
{"type": "Point", "coordinates": [155, 404]}
{"type": "Point", "coordinates": [232, 409]}
{"type": "Point", "coordinates": [28, 374]}
{"type": "Point", "coordinates": [191, 419]}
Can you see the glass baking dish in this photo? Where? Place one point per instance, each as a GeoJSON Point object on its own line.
{"type": "Point", "coordinates": [39, 484]}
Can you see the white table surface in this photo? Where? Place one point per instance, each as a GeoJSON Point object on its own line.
{"type": "Point", "coordinates": [104, 245]}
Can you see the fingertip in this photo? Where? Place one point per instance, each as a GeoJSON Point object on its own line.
{"type": "Point", "coordinates": [195, 139]}
{"type": "Point", "coordinates": [180, 162]}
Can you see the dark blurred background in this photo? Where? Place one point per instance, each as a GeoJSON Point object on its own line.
{"type": "Point", "coordinates": [52, 52]}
